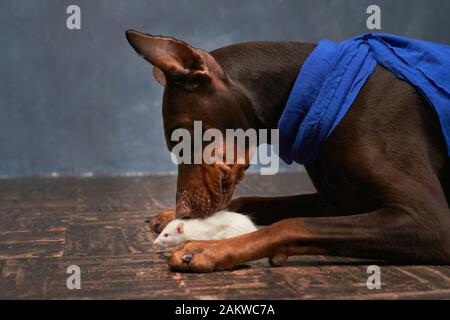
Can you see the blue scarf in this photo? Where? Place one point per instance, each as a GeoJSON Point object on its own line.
{"type": "Point", "coordinates": [334, 73]}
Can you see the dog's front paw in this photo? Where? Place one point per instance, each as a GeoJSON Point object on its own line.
{"type": "Point", "coordinates": [160, 221]}
{"type": "Point", "coordinates": [202, 256]}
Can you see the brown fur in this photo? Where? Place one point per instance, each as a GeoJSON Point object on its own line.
{"type": "Point", "coordinates": [382, 176]}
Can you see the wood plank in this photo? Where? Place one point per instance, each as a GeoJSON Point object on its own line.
{"type": "Point", "coordinates": [135, 276]}
{"type": "Point", "coordinates": [98, 224]}
{"type": "Point", "coordinates": [88, 240]}
{"type": "Point", "coordinates": [32, 244]}
{"type": "Point", "coordinates": [146, 276]}
{"type": "Point", "coordinates": [36, 219]}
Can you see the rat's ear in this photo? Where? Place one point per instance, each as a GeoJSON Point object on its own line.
{"type": "Point", "coordinates": [180, 227]}
{"type": "Point", "coordinates": [180, 63]}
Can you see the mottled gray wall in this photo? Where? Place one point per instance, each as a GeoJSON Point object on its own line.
{"type": "Point", "coordinates": [73, 102]}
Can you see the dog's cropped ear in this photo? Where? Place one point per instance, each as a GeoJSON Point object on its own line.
{"type": "Point", "coordinates": [173, 60]}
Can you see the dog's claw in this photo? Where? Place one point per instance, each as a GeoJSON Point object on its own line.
{"type": "Point", "coordinates": [165, 255]}
{"type": "Point", "coordinates": [187, 257]}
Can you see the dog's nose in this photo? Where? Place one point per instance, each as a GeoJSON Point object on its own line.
{"type": "Point", "coordinates": [182, 210]}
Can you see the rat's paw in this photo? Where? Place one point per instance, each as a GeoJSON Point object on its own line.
{"type": "Point", "coordinates": [201, 256]}
{"type": "Point", "coordinates": [161, 220]}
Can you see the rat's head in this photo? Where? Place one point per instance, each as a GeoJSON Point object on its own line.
{"type": "Point", "coordinates": [196, 88]}
{"type": "Point", "coordinates": [172, 235]}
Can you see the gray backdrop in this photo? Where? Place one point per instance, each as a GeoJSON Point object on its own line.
{"type": "Point", "coordinates": [80, 102]}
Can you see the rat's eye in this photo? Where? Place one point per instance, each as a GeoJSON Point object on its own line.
{"type": "Point", "coordinates": [166, 234]}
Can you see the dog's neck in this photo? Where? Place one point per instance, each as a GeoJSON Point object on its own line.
{"type": "Point", "coordinates": [264, 73]}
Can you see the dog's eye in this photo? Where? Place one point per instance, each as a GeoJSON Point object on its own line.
{"type": "Point", "coordinates": [166, 235]}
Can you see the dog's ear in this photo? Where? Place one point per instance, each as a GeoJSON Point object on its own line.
{"type": "Point", "coordinates": [174, 60]}
{"type": "Point", "coordinates": [159, 76]}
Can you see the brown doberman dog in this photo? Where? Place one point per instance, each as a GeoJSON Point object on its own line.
{"type": "Point", "coordinates": [382, 176]}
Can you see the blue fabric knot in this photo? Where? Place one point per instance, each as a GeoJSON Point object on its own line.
{"type": "Point", "coordinates": [334, 73]}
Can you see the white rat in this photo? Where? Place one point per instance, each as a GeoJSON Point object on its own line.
{"type": "Point", "coordinates": [221, 225]}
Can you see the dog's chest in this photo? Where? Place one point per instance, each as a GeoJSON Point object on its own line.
{"type": "Point", "coordinates": [343, 193]}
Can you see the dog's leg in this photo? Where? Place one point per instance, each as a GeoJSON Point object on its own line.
{"type": "Point", "coordinates": [392, 234]}
{"type": "Point", "coordinates": [410, 225]}
{"type": "Point", "coordinates": [264, 210]}
{"type": "Point", "coordinates": [158, 222]}
{"type": "Point", "coordinates": [267, 210]}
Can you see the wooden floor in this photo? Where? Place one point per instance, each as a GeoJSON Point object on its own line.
{"type": "Point", "coordinates": [98, 224]}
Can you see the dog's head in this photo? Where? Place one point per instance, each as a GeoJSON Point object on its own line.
{"type": "Point", "coordinates": [196, 88]}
